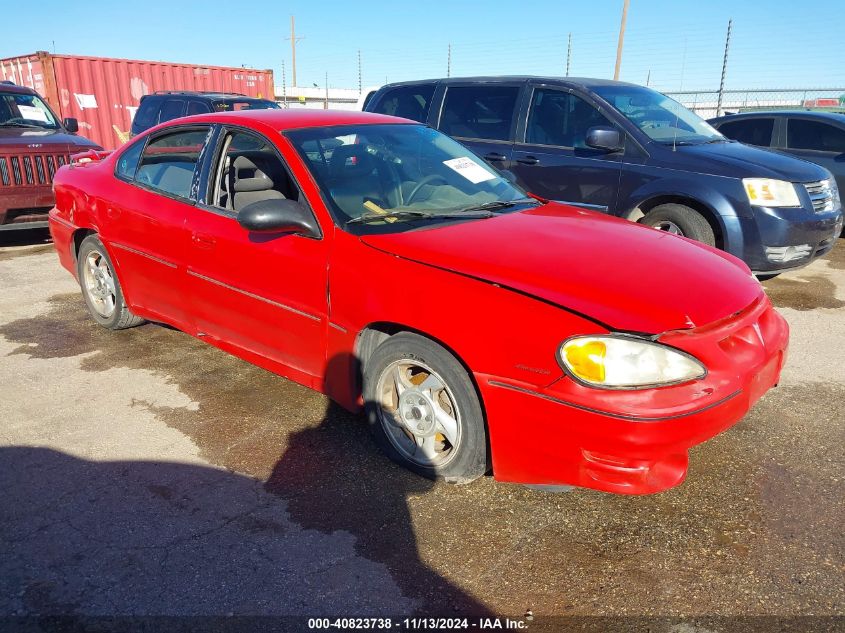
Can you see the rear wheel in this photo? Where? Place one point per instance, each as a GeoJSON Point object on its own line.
{"type": "Point", "coordinates": [423, 409]}
{"type": "Point", "coordinates": [101, 288]}
{"type": "Point", "coordinates": [680, 220]}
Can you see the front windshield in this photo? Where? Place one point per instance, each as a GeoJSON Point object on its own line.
{"type": "Point", "coordinates": [23, 110]}
{"type": "Point", "coordinates": [401, 172]}
{"type": "Point", "coordinates": [661, 118]}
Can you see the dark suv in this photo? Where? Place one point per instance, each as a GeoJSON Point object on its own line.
{"type": "Point", "coordinates": [632, 152]}
{"type": "Point", "coordinates": [171, 104]}
{"type": "Point", "coordinates": [34, 143]}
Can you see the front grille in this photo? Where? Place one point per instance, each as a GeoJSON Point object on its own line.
{"type": "Point", "coordinates": [30, 170]}
{"type": "Point", "coordinates": [821, 194]}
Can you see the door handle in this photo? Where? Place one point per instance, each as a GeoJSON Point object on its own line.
{"type": "Point", "coordinates": [203, 241]}
{"type": "Point", "coordinates": [495, 156]}
{"type": "Point", "coordinates": [528, 160]}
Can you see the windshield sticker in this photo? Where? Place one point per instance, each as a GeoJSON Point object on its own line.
{"type": "Point", "coordinates": [32, 113]}
{"type": "Point", "coordinates": [469, 169]}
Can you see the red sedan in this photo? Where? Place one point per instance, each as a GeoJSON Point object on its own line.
{"type": "Point", "coordinates": [382, 263]}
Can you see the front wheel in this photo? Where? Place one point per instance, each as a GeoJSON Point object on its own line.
{"type": "Point", "coordinates": [101, 288]}
{"type": "Point", "coordinates": [680, 220]}
{"type": "Point", "coordinates": [424, 411]}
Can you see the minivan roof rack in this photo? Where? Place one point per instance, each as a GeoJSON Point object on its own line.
{"type": "Point", "coordinates": [199, 92]}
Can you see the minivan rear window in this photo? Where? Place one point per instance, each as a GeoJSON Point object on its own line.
{"type": "Point", "coordinates": [479, 112]}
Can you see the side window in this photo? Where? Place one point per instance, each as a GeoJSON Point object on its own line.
{"type": "Point", "coordinates": [147, 114]}
{"type": "Point", "coordinates": [806, 134]}
{"type": "Point", "coordinates": [169, 162]}
{"type": "Point", "coordinates": [171, 109]}
{"type": "Point", "coordinates": [197, 107]}
{"type": "Point", "coordinates": [481, 112]}
{"type": "Point", "coordinates": [750, 131]}
{"type": "Point", "coordinates": [127, 163]}
{"type": "Point", "coordinates": [561, 119]}
{"type": "Point", "coordinates": [408, 102]}
{"type": "Point", "coordinates": [250, 171]}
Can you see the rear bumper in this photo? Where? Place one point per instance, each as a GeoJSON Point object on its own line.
{"type": "Point", "coordinates": [633, 442]}
{"type": "Point", "coordinates": [62, 232]}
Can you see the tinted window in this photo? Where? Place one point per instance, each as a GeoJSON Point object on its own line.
{"type": "Point", "coordinates": [168, 162]}
{"type": "Point", "coordinates": [806, 134]}
{"type": "Point", "coordinates": [484, 112]}
{"type": "Point", "coordinates": [750, 131]}
{"type": "Point", "coordinates": [562, 119]}
{"type": "Point", "coordinates": [172, 109]}
{"type": "Point", "coordinates": [128, 161]}
{"type": "Point", "coordinates": [250, 104]}
{"type": "Point", "coordinates": [147, 114]}
{"type": "Point", "coordinates": [198, 107]}
{"type": "Point", "coordinates": [250, 171]}
{"type": "Point", "coordinates": [408, 102]}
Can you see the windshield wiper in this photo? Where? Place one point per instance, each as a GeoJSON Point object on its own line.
{"type": "Point", "coordinates": [16, 124]}
{"type": "Point", "coordinates": [496, 205]}
{"type": "Point", "coordinates": [406, 214]}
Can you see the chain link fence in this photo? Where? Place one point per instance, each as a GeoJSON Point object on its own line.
{"type": "Point", "coordinates": [706, 102]}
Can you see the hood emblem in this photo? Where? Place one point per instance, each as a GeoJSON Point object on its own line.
{"type": "Point", "coordinates": [35, 145]}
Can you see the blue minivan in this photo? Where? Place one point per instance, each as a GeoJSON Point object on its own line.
{"type": "Point", "coordinates": [634, 153]}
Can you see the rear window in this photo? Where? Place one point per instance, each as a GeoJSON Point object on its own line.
{"type": "Point", "coordinates": [823, 137]}
{"type": "Point", "coordinates": [171, 109]}
{"type": "Point", "coordinates": [147, 114]}
{"type": "Point", "coordinates": [479, 112]}
{"type": "Point", "coordinates": [169, 162]}
{"type": "Point", "coordinates": [252, 104]}
{"type": "Point", "coordinates": [408, 102]}
{"type": "Point", "coordinates": [750, 131]}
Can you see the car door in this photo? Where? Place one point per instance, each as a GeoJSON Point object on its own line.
{"type": "Point", "coordinates": [751, 131]}
{"type": "Point", "coordinates": [483, 117]}
{"type": "Point", "coordinates": [818, 142]}
{"type": "Point", "coordinates": [156, 178]}
{"type": "Point", "coordinates": [551, 158]}
{"type": "Point", "coordinates": [265, 293]}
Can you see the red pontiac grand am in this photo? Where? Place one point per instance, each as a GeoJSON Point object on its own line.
{"type": "Point", "coordinates": [382, 263]}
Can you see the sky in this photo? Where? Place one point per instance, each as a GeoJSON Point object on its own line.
{"type": "Point", "coordinates": [671, 45]}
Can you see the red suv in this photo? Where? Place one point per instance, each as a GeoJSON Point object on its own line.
{"type": "Point", "coordinates": [34, 143]}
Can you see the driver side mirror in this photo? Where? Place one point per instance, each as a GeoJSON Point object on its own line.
{"type": "Point", "coordinates": [279, 216]}
{"type": "Point", "coordinates": [604, 137]}
{"type": "Point", "coordinates": [71, 125]}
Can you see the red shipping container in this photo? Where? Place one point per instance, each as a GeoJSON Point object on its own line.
{"type": "Point", "coordinates": [103, 94]}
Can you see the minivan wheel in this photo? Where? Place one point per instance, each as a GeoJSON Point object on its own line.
{"type": "Point", "coordinates": [423, 409]}
{"type": "Point", "coordinates": [680, 220]}
{"type": "Point", "coordinates": [101, 288]}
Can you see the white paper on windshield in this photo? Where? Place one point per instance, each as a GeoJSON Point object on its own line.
{"type": "Point", "coordinates": [469, 169]}
{"type": "Point", "coordinates": [32, 113]}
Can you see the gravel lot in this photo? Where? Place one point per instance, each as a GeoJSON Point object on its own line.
{"type": "Point", "coordinates": [144, 472]}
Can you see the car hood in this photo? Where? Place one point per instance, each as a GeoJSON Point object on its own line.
{"type": "Point", "coordinates": [745, 161]}
{"type": "Point", "coordinates": [626, 276]}
{"type": "Point", "coordinates": [33, 139]}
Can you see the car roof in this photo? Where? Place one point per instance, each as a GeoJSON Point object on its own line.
{"type": "Point", "coordinates": [10, 87]}
{"type": "Point", "coordinates": [292, 119]}
{"type": "Point", "coordinates": [837, 117]}
{"type": "Point", "coordinates": [587, 82]}
{"type": "Point", "coordinates": [227, 96]}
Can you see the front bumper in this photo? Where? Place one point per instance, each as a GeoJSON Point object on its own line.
{"type": "Point", "coordinates": [25, 207]}
{"type": "Point", "coordinates": [634, 442]}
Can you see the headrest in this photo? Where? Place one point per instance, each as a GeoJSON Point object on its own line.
{"type": "Point", "coordinates": [248, 177]}
{"type": "Point", "coordinates": [350, 161]}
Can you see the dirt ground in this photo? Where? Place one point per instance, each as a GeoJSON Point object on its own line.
{"type": "Point", "coordinates": [144, 472]}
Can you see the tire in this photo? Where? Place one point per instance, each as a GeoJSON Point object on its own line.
{"type": "Point", "coordinates": [681, 220]}
{"type": "Point", "coordinates": [101, 287]}
{"type": "Point", "coordinates": [436, 428]}
{"type": "Point", "coordinates": [767, 276]}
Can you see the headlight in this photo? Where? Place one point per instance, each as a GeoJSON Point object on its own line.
{"type": "Point", "coordinates": [617, 362]}
{"type": "Point", "coordinates": [765, 192]}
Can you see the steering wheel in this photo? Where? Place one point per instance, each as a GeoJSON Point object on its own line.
{"type": "Point", "coordinates": [425, 181]}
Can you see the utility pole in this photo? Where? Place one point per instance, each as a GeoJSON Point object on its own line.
{"type": "Point", "coordinates": [648, 78]}
{"type": "Point", "coordinates": [568, 54]}
{"type": "Point", "coordinates": [284, 88]}
{"type": "Point", "coordinates": [621, 40]}
{"type": "Point", "coordinates": [449, 61]}
{"type": "Point", "coordinates": [293, 40]}
{"type": "Point", "coordinates": [724, 69]}
{"type": "Point", "coordinates": [360, 87]}
{"type": "Point", "coordinates": [326, 106]}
